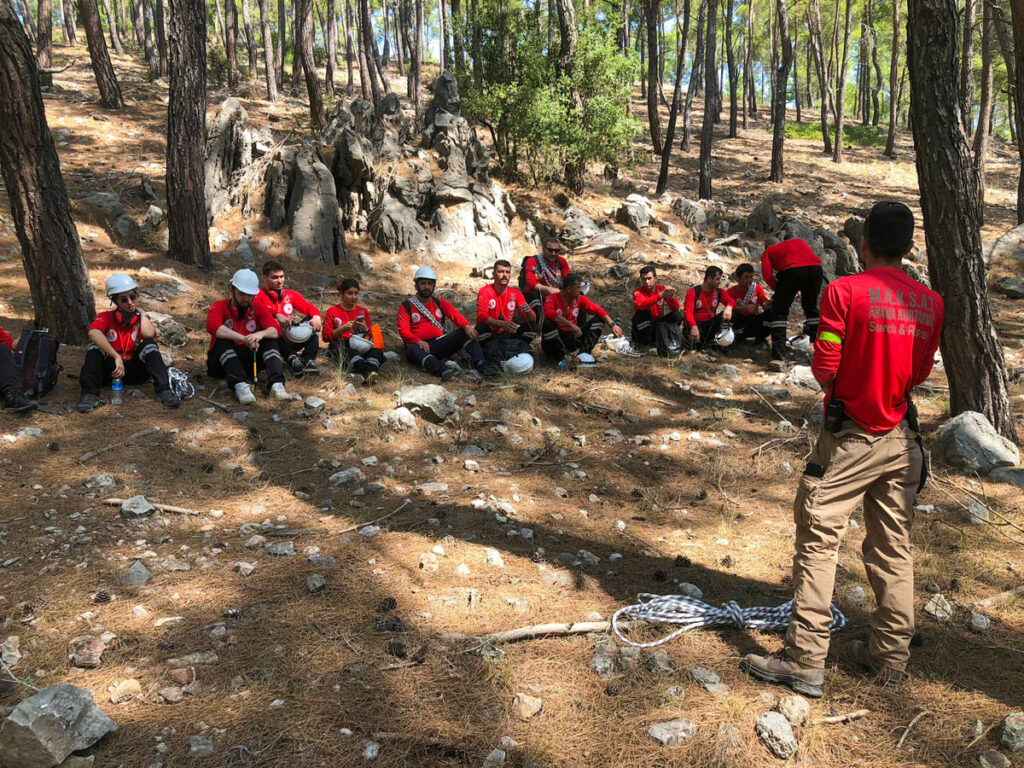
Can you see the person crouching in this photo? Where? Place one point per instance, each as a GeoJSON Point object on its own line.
{"type": "Point", "coordinates": [345, 320]}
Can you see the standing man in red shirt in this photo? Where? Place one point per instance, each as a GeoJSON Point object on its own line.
{"type": "Point", "coordinates": [877, 339]}
{"type": "Point", "coordinates": [242, 332]}
{"type": "Point", "coordinates": [10, 378]}
{"type": "Point", "coordinates": [657, 318]}
{"type": "Point", "coordinates": [572, 322]}
{"type": "Point", "coordinates": [539, 277]}
{"type": "Point", "coordinates": [421, 325]}
{"type": "Point", "coordinates": [497, 307]}
{"type": "Point", "coordinates": [122, 345]}
{"type": "Point", "coordinates": [790, 267]}
{"type": "Point", "coordinates": [291, 309]}
{"type": "Point", "coordinates": [703, 320]}
{"type": "Point", "coordinates": [751, 303]}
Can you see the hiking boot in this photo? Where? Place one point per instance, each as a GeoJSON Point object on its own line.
{"type": "Point", "coordinates": [474, 376]}
{"type": "Point", "coordinates": [890, 679]}
{"type": "Point", "coordinates": [779, 668]}
{"type": "Point", "coordinates": [18, 403]}
{"type": "Point", "coordinates": [88, 403]}
{"type": "Point", "coordinates": [450, 373]}
{"type": "Point", "coordinates": [244, 394]}
{"type": "Point", "coordinates": [310, 366]}
{"type": "Point", "coordinates": [168, 398]}
{"type": "Point", "coordinates": [371, 379]}
{"type": "Point", "coordinates": [296, 364]}
{"type": "Point", "coordinates": [277, 391]}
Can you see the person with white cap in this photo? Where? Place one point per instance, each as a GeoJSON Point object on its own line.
{"type": "Point", "coordinates": [344, 329]}
{"type": "Point", "coordinates": [299, 320]}
{"type": "Point", "coordinates": [122, 345]}
{"type": "Point", "coordinates": [498, 307]}
{"type": "Point", "coordinates": [420, 323]}
{"type": "Point", "coordinates": [244, 337]}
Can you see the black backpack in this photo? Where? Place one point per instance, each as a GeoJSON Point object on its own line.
{"type": "Point", "coordinates": [36, 356]}
{"type": "Point", "coordinates": [522, 272]}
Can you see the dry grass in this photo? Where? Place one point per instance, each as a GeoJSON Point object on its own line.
{"type": "Point", "coordinates": [321, 653]}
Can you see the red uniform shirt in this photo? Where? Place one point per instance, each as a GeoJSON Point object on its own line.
{"type": "Point", "coordinates": [652, 300]}
{"type": "Point", "coordinates": [786, 255]}
{"type": "Point", "coordinates": [531, 272]}
{"type": "Point", "coordinates": [877, 337]}
{"type": "Point", "coordinates": [337, 316]}
{"type": "Point", "coordinates": [5, 338]}
{"type": "Point", "coordinates": [738, 293]}
{"type": "Point", "coordinates": [701, 305]}
{"type": "Point", "coordinates": [287, 303]}
{"type": "Point", "coordinates": [413, 327]}
{"type": "Point", "coordinates": [491, 304]}
{"type": "Point", "coordinates": [255, 318]}
{"type": "Point", "coordinates": [121, 337]}
{"type": "Point", "coordinates": [556, 305]}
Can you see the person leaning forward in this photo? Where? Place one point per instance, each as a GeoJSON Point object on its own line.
{"type": "Point", "coordinates": [572, 322]}
{"type": "Point", "coordinates": [498, 307]}
{"type": "Point", "coordinates": [876, 341]}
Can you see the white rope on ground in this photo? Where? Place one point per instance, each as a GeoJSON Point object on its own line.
{"type": "Point", "coordinates": [691, 613]}
{"type": "Point", "coordinates": [180, 384]}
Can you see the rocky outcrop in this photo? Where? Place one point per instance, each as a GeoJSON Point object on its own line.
{"type": "Point", "coordinates": [228, 149]}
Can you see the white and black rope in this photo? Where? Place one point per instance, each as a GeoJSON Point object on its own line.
{"type": "Point", "coordinates": [690, 613]}
{"type": "Point", "coordinates": [180, 384]}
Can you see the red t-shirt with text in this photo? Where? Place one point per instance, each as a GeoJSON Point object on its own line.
{"type": "Point", "coordinates": [286, 303]}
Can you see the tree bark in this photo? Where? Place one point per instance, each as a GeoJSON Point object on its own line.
{"type": "Point", "coordinates": [894, 60]}
{"type": "Point", "coordinates": [269, 59]}
{"type": "Point", "coordinates": [57, 277]}
{"type": "Point", "coordinates": [795, 66]}
{"type": "Point", "coordinates": [983, 132]}
{"type": "Point", "coordinates": [652, 15]}
{"type": "Point", "coordinates": [1017, 66]}
{"type": "Point", "coordinates": [876, 88]}
{"type": "Point", "coordinates": [349, 53]}
{"type": "Point", "coordinates": [365, 36]}
{"type": "Point", "coordinates": [445, 52]}
{"type": "Point", "coordinates": [29, 20]}
{"type": "Point", "coordinates": [161, 35]}
{"type": "Point", "coordinates": [304, 48]}
{"type": "Point", "coordinates": [575, 167]}
{"type": "Point", "coordinates": [710, 92]}
{"type": "Point", "coordinates": [250, 40]}
{"type": "Point", "coordinates": [677, 97]}
{"type": "Point", "coordinates": [733, 85]}
{"type": "Point", "coordinates": [282, 42]}
{"type": "Point", "coordinates": [115, 38]}
{"type": "Point", "coordinates": [779, 107]}
{"type": "Point", "coordinates": [971, 354]}
{"type": "Point", "coordinates": [188, 229]}
{"type": "Point", "coordinates": [457, 29]}
{"type": "Point", "coordinates": [840, 102]}
{"type": "Point", "coordinates": [749, 90]}
{"type": "Point", "coordinates": [151, 58]}
{"type": "Point", "coordinates": [364, 65]}
{"type": "Point", "coordinates": [332, 42]}
{"type": "Point", "coordinates": [231, 41]}
{"type": "Point", "coordinates": [70, 22]}
{"type": "Point", "coordinates": [967, 63]}
{"type": "Point", "coordinates": [106, 80]}
{"type": "Point", "coordinates": [44, 41]}
{"type": "Point", "coordinates": [691, 87]}
{"type": "Point", "coordinates": [296, 59]}
{"type": "Point", "coordinates": [478, 64]}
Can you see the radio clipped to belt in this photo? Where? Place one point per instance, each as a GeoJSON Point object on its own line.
{"type": "Point", "coordinates": [926, 459]}
{"type": "Point", "coordinates": [835, 414]}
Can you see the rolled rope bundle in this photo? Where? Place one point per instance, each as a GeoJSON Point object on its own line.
{"type": "Point", "coordinates": [690, 613]}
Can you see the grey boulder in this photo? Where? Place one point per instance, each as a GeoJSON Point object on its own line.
{"type": "Point", "coordinates": [968, 440]}
{"type": "Point", "coordinates": [432, 401]}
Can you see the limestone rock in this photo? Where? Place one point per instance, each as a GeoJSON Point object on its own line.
{"type": "Point", "coordinates": [1013, 732]}
{"type": "Point", "coordinates": [1010, 244]}
{"type": "Point", "coordinates": [776, 734]}
{"type": "Point", "coordinates": [397, 420]}
{"type": "Point", "coordinates": [672, 733]}
{"type": "Point", "coordinates": [136, 507]}
{"type": "Point", "coordinates": [228, 149]}
{"type": "Point", "coordinates": [796, 709]}
{"type": "Point", "coordinates": [578, 228]}
{"type": "Point", "coordinates": [10, 651]}
{"type": "Point", "coordinates": [763, 220]}
{"type": "Point", "coordinates": [394, 226]}
{"type": "Point", "coordinates": [346, 476]}
{"type": "Point", "coordinates": [802, 376]}
{"type": "Point", "coordinates": [968, 440]}
{"type": "Point", "coordinates": [432, 401]}
{"type": "Point", "coordinates": [86, 651]}
{"type": "Point", "coordinates": [635, 213]}
{"type": "Point", "coordinates": [1011, 287]}
{"type": "Point", "coordinates": [525, 706]}
{"type": "Point", "coordinates": [993, 758]}
{"type": "Point", "coordinates": [939, 608]}
{"type": "Point", "coordinates": [137, 574]}
{"type": "Point", "coordinates": [313, 216]}
{"type": "Point", "coordinates": [171, 333]}
{"type": "Point", "coordinates": [125, 691]}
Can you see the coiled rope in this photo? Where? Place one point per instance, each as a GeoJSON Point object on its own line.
{"type": "Point", "coordinates": [691, 613]}
{"type": "Point", "coordinates": [180, 384]}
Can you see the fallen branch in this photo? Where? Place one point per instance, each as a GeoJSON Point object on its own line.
{"type": "Point", "coordinates": [287, 534]}
{"type": "Point", "coordinates": [401, 506]}
{"type": "Point", "coordinates": [913, 722]}
{"type": "Point", "coordinates": [557, 629]}
{"type": "Point", "coordinates": [214, 402]}
{"type": "Point", "coordinates": [90, 455]}
{"type": "Point", "coordinates": [15, 679]}
{"type": "Point", "coordinates": [158, 507]}
{"type": "Point", "coordinates": [849, 717]}
{"type": "Point", "coordinates": [765, 401]}
{"type": "Point", "coordinates": [57, 71]}
{"type": "Point", "coordinates": [988, 601]}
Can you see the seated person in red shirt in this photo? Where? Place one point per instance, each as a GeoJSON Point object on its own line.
{"type": "Point", "coordinates": [342, 321]}
{"type": "Point", "coordinates": [421, 326]}
{"type": "Point", "coordinates": [290, 308]}
{"type": "Point", "coordinates": [790, 267]}
{"type": "Point", "coordinates": [122, 345]}
{"type": "Point", "coordinates": [10, 378]}
{"type": "Point", "coordinates": [539, 277]}
{"type": "Point", "coordinates": [657, 318]}
{"type": "Point", "coordinates": [243, 333]}
{"type": "Point", "coordinates": [497, 307]}
{"type": "Point", "coordinates": [572, 322]}
{"type": "Point", "coordinates": [751, 304]}
{"type": "Point", "coordinates": [703, 320]}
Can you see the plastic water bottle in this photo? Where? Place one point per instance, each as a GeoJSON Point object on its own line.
{"type": "Point", "coordinates": [562, 367]}
{"type": "Point", "coordinates": [116, 387]}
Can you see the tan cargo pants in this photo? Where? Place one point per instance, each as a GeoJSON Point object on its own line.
{"type": "Point", "coordinates": [883, 471]}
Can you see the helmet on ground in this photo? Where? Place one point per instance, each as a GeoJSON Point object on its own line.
{"type": "Point", "coordinates": [622, 346]}
{"type": "Point", "coordinates": [119, 283]}
{"type": "Point", "coordinates": [521, 363]}
{"type": "Point", "coordinates": [725, 337]}
{"type": "Point", "coordinates": [298, 333]}
{"type": "Point", "coordinates": [245, 280]}
{"type": "Point", "coordinates": [802, 342]}
{"type": "Point", "coordinates": [359, 343]}
{"type": "Point", "coordinates": [425, 273]}
{"type": "Point", "coordinates": [585, 358]}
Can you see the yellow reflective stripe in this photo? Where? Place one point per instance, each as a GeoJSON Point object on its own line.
{"type": "Point", "coordinates": [829, 336]}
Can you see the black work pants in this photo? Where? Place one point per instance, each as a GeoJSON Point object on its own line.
{"type": "Point", "coordinates": [308, 350]}
{"type": "Point", "coordinates": [442, 348]}
{"type": "Point", "coordinates": [144, 364]}
{"type": "Point", "coordinates": [559, 344]}
{"type": "Point", "coordinates": [749, 327]}
{"type": "Point", "coordinates": [362, 363]}
{"type": "Point", "coordinates": [231, 361]}
{"type": "Point", "coordinates": [803, 280]}
{"type": "Point", "coordinates": [499, 347]}
{"type": "Point", "coordinates": [10, 374]}
{"type": "Point", "coordinates": [708, 330]}
{"type": "Point", "coordinates": [664, 331]}
{"type": "Point", "coordinates": [536, 301]}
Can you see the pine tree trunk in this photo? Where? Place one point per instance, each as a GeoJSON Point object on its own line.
{"type": "Point", "coordinates": [115, 38]}
{"type": "Point", "coordinates": [691, 89]}
{"type": "Point", "coordinates": [231, 41]}
{"type": "Point", "coordinates": [824, 81]}
{"type": "Point", "coordinates": [282, 42]}
{"type": "Point", "coordinates": [161, 36]}
{"type": "Point", "coordinates": [417, 60]}
{"type": "Point", "coordinates": [29, 20]}
{"type": "Point", "coordinates": [70, 22]}
{"type": "Point", "coordinates": [443, 32]}
{"type": "Point", "coordinates": [188, 228]}
{"type": "Point", "coordinates": [151, 58]}
{"type": "Point", "coordinates": [1013, 51]}
{"type": "Point", "coordinates": [364, 67]}
{"type": "Point", "coordinates": [710, 92]}
{"type": "Point", "coordinates": [971, 354]}
{"type": "Point", "coordinates": [296, 59]}
{"type": "Point", "coordinates": [967, 63]}
{"type": "Point", "coordinates": [269, 59]}
{"type": "Point", "coordinates": [981, 135]}
{"type": "Point", "coordinates": [575, 168]}
{"type": "Point", "coordinates": [733, 85]}
{"type": "Point", "coordinates": [349, 53]}
{"type": "Point", "coordinates": [677, 95]}
{"type": "Point", "coordinates": [304, 11]}
{"type": "Point", "coordinates": [140, 38]}
{"type": "Point", "coordinates": [250, 40]}
{"type": "Point", "coordinates": [797, 99]}
{"type": "Point", "coordinates": [332, 43]}
{"type": "Point", "coordinates": [750, 90]}
{"type": "Point", "coordinates": [652, 14]}
{"type": "Point", "coordinates": [365, 37]}
{"type": "Point", "coordinates": [779, 107]}
{"type": "Point", "coordinates": [890, 142]}
{"type": "Point", "coordinates": [106, 80]}
{"type": "Point", "coordinates": [457, 30]}
{"type": "Point", "coordinates": [840, 102]}
{"type": "Point", "coordinates": [57, 277]}
{"type": "Point", "coordinates": [44, 41]}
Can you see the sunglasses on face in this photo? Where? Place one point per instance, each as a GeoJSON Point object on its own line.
{"type": "Point", "coordinates": [127, 298]}
{"type": "Point", "coordinates": [553, 250]}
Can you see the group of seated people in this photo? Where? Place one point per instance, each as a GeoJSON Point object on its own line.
{"type": "Point", "coordinates": [267, 327]}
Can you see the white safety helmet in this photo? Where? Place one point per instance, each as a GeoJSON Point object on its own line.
{"type": "Point", "coordinates": [245, 280]}
{"type": "Point", "coordinates": [359, 343]}
{"type": "Point", "coordinates": [119, 283]}
{"type": "Point", "coordinates": [622, 346]}
{"type": "Point", "coordinates": [298, 333]}
{"type": "Point", "coordinates": [584, 287]}
{"type": "Point", "coordinates": [585, 358]}
{"type": "Point", "coordinates": [725, 337]}
{"type": "Point", "coordinates": [802, 342]}
{"type": "Point", "coordinates": [521, 363]}
{"type": "Point", "coordinates": [424, 273]}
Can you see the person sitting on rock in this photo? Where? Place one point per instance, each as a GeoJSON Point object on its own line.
{"type": "Point", "coordinates": [497, 306]}
{"type": "Point", "coordinates": [539, 277]}
{"type": "Point", "coordinates": [421, 325]}
{"type": "Point", "coordinates": [292, 311]}
{"type": "Point", "coordinates": [10, 378]}
{"type": "Point", "coordinates": [790, 267]}
{"type": "Point", "coordinates": [345, 320]}
{"type": "Point", "coordinates": [751, 304]}
{"type": "Point", "coordinates": [573, 323]}
{"type": "Point", "coordinates": [703, 320]}
{"type": "Point", "coordinates": [122, 345]}
{"type": "Point", "coordinates": [657, 318]}
{"type": "Point", "coordinates": [244, 337]}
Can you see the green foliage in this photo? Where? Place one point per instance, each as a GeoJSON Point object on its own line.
{"type": "Point", "coordinates": [860, 135]}
{"type": "Point", "coordinates": [216, 65]}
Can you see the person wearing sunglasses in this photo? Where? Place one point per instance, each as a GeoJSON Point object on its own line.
{"type": "Point", "coordinates": [539, 277]}
{"type": "Point", "coordinates": [122, 345]}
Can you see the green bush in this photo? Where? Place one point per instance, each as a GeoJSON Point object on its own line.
{"type": "Point", "coordinates": [860, 135]}
{"type": "Point", "coordinates": [216, 66]}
